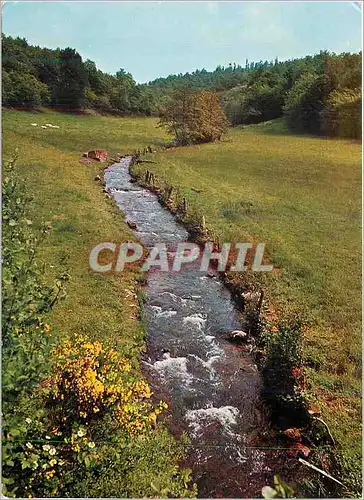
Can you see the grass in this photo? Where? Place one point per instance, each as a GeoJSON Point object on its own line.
{"type": "Point", "coordinates": [65, 193]}
{"type": "Point", "coordinates": [300, 195]}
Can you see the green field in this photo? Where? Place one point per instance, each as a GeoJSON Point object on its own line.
{"type": "Point", "coordinates": [65, 193]}
{"type": "Point", "coordinates": [299, 195]}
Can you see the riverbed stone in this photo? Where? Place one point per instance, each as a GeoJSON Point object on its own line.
{"type": "Point", "coordinates": [238, 336]}
{"type": "Point", "coordinates": [98, 154]}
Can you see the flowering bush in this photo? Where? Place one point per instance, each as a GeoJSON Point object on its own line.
{"type": "Point", "coordinates": [89, 380]}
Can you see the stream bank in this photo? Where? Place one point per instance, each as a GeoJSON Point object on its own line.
{"type": "Point", "coordinates": [212, 386]}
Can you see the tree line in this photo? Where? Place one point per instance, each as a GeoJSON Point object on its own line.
{"type": "Point", "coordinates": [35, 76]}
{"type": "Point", "coordinates": [318, 94]}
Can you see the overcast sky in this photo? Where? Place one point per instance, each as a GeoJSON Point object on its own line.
{"type": "Point", "coordinates": [152, 39]}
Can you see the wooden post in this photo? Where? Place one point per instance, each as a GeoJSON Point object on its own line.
{"type": "Point", "coordinates": [184, 205]}
{"type": "Point", "coordinates": [169, 193]}
{"type": "Point", "coordinates": [147, 176]}
{"type": "Point", "coordinates": [203, 224]}
{"type": "Point", "coordinates": [260, 301]}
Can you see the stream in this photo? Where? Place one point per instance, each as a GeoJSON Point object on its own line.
{"type": "Point", "coordinates": [213, 387]}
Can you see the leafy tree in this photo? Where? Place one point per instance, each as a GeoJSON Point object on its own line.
{"type": "Point", "coordinates": [24, 90]}
{"type": "Point", "coordinates": [234, 104]}
{"type": "Point", "coordinates": [95, 78]}
{"type": "Point", "coordinates": [305, 103]}
{"type": "Point", "coordinates": [194, 117]}
{"type": "Point", "coordinates": [72, 81]}
{"type": "Point", "coordinates": [99, 102]}
{"type": "Point", "coordinates": [342, 115]}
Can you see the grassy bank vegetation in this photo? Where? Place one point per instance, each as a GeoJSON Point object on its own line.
{"type": "Point", "coordinates": [77, 422]}
{"type": "Point", "coordinates": [301, 196]}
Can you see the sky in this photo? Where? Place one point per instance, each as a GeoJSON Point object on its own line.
{"type": "Point", "coordinates": [152, 39]}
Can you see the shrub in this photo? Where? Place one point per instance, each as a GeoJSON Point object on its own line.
{"type": "Point", "coordinates": [24, 90]}
{"type": "Point", "coordinates": [70, 92]}
{"type": "Point", "coordinates": [194, 117]}
{"type": "Point", "coordinates": [342, 116]}
{"type": "Point", "coordinates": [262, 102]}
{"type": "Point", "coordinates": [283, 373]}
{"type": "Point", "coordinates": [91, 428]}
{"type": "Point", "coordinates": [305, 103]}
{"type": "Point", "coordinates": [99, 102]}
{"type": "Point", "coordinates": [27, 340]}
{"type": "Point", "coordinates": [25, 295]}
{"type": "Point", "coordinates": [139, 468]}
{"type": "Point", "coordinates": [89, 380]}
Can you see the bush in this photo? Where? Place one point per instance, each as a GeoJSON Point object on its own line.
{"type": "Point", "coordinates": [194, 117]}
{"type": "Point", "coordinates": [260, 102]}
{"type": "Point", "coordinates": [92, 429]}
{"type": "Point", "coordinates": [24, 90]}
{"type": "Point", "coordinates": [233, 102]}
{"type": "Point", "coordinates": [305, 103]}
{"type": "Point", "coordinates": [283, 373]}
{"type": "Point", "coordinates": [99, 102]}
{"type": "Point", "coordinates": [139, 468]}
{"type": "Point", "coordinates": [89, 381]}
{"type": "Point", "coordinates": [342, 116]}
{"type": "Point", "coordinates": [70, 92]}
{"type": "Point", "coordinates": [27, 340]}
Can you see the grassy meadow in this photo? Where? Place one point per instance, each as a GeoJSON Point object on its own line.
{"type": "Point", "coordinates": [300, 195]}
{"type": "Point", "coordinates": [66, 194]}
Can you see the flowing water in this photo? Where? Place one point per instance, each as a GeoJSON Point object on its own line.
{"type": "Point", "coordinates": [213, 387]}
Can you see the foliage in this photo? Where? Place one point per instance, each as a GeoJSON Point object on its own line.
{"type": "Point", "coordinates": [305, 103]}
{"type": "Point", "coordinates": [34, 76]}
{"type": "Point", "coordinates": [349, 468]}
{"type": "Point", "coordinates": [343, 113]}
{"type": "Point", "coordinates": [89, 380]}
{"type": "Point", "coordinates": [27, 340]}
{"type": "Point", "coordinates": [261, 99]}
{"type": "Point", "coordinates": [92, 412]}
{"type": "Point", "coordinates": [279, 490]}
{"type": "Point", "coordinates": [24, 90]}
{"type": "Point", "coordinates": [283, 373]}
{"type": "Point", "coordinates": [72, 80]}
{"type": "Point", "coordinates": [299, 89]}
{"type": "Point", "coordinates": [139, 468]}
{"type": "Point", "coordinates": [255, 92]}
{"type": "Point", "coordinates": [194, 117]}
{"type": "Point", "coordinates": [26, 297]}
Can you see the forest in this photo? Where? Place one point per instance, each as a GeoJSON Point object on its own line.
{"type": "Point", "coordinates": [318, 94]}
